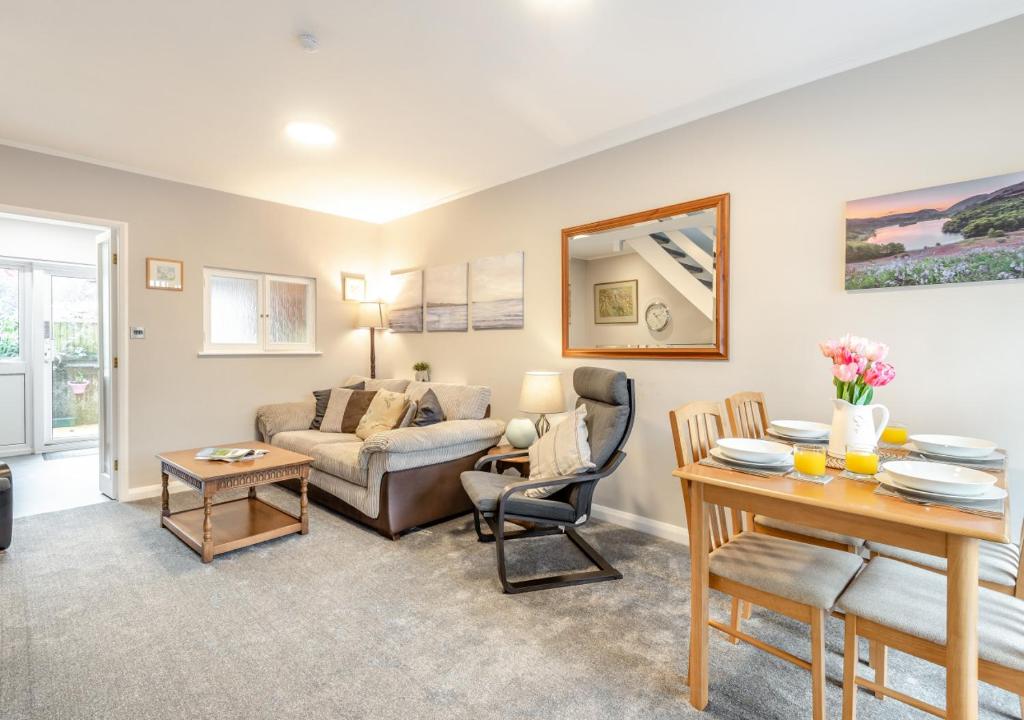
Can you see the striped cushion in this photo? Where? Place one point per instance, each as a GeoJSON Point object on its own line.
{"type": "Point", "coordinates": [562, 450]}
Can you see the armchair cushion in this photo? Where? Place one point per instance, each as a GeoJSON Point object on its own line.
{"type": "Point", "coordinates": [485, 488]}
{"type": "Point", "coordinates": [563, 450]}
{"type": "Point", "coordinates": [607, 386]}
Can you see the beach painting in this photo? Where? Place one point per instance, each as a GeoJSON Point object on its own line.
{"type": "Point", "coordinates": [497, 292]}
{"type": "Point", "coordinates": [447, 295]}
{"type": "Point", "coordinates": [962, 232]}
{"type": "Point", "coordinates": [405, 314]}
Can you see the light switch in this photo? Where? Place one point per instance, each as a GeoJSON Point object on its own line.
{"type": "Point", "coordinates": [138, 333]}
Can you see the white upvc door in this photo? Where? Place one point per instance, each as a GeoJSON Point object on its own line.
{"type": "Point", "coordinates": [106, 249]}
{"type": "Point", "coordinates": [15, 354]}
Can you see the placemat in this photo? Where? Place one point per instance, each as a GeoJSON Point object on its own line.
{"type": "Point", "coordinates": [992, 509]}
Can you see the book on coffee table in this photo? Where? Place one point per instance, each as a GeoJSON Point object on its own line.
{"type": "Point", "coordinates": [229, 454]}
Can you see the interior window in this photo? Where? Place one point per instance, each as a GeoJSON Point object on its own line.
{"type": "Point", "coordinates": [254, 312]}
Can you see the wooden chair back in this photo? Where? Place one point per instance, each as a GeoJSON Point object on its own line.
{"type": "Point", "coordinates": [695, 428]}
{"type": "Point", "coordinates": [748, 414]}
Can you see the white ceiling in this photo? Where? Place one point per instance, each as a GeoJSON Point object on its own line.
{"type": "Point", "coordinates": [431, 99]}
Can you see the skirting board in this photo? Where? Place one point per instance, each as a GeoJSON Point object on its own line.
{"type": "Point", "coordinates": [663, 530]}
{"type": "Point", "coordinates": [152, 491]}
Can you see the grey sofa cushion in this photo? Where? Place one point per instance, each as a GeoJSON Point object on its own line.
{"type": "Point", "coordinates": [913, 601]}
{"type": "Point", "coordinates": [607, 386]}
{"type": "Point", "coordinates": [428, 410]}
{"type": "Point", "coordinates": [303, 441]}
{"type": "Point", "coordinates": [808, 531]}
{"type": "Point", "coordinates": [484, 488]}
{"type": "Point", "coordinates": [998, 563]}
{"type": "Point", "coordinates": [793, 570]}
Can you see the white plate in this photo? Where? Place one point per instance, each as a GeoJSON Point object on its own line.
{"type": "Point", "coordinates": [717, 454]}
{"type": "Point", "coordinates": [751, 450]}
{"type": "Point", "coordinates": [800, 429]}
{"type": "Point", "coordinates": [993, 457]}
{"type": "Point", "coordinates": [990, 493]}
{"type": "Point", "coordinates": [939, 477]}
{"type": "Point", "coordinates": [954, 445]}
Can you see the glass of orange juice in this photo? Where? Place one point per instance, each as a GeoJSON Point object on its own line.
{"type": "Point", "coordinates": [862, 460]}
{"type": "Point", "coordinates": [894, 434]}
{"type": "Point", "coordinates": [809, 461]}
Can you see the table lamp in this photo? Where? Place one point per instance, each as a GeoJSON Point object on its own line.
{"type": "Point", "coordinates": [542, 394]}
{"type": "Point", "coordinates": [372, 315]}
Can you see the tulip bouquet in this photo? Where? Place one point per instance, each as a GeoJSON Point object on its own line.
{"type": "Point", "coordinates": [858, 367]}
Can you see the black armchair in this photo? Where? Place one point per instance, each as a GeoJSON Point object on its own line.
{"type": "Point", "coordinates": [611, 408]}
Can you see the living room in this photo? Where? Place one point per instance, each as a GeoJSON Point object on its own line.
{"type": "Point", "coordinates": [463, 154]}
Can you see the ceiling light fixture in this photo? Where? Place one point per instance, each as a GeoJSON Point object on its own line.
{"type": "Point", "coordinates": [309, 133]}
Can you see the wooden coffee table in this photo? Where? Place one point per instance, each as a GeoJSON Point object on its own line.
{"type": "Point", "coordinates": [222, 527]}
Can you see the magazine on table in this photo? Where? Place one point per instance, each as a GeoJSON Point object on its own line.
{"type": "Point", "coordinates": [229, 454]}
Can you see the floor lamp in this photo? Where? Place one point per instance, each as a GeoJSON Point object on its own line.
{"type": "Point", "coordinates": [372, 315]}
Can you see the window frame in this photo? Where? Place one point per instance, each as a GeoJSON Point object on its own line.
{"type": "Point", "coordinates": [24, 289]}
{"type": "Point", "coordinates": [263, 345]}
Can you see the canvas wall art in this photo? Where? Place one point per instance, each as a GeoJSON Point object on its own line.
{"type": "Point", "coordinates": [615, 302]}
{"type": "Point", "coordinates": [447, 297]}
{"type": "Point", "coordinates": [962, 232]}
{"type": "Point", "coordinates": [497, 292]}
{"type": "Point", "coordinates": [405, 314]}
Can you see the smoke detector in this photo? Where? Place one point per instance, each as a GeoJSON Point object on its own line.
{"type": "Point", "coordinates": [309, 42]}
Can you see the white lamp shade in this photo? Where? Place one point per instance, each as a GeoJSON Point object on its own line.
{"type": "Point", "coordinates": [372, 315]}
{"type": "Point", "coordinates": [542, 393]}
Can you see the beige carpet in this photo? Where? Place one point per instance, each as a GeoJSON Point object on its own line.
{"type": "Point", "coordinates": [103, 614]}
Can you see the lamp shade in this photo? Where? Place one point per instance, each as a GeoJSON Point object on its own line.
{"type": "Point", "coordinates": [542, 393]}
{"type": "Point", "coordinates": [372, 315]}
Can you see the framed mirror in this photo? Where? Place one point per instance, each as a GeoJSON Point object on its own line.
{"type": "Point", "coordinates": [653, 284]}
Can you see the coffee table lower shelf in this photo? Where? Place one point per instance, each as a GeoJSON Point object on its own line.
{"type": "Point", "coordinates": [236, 524]}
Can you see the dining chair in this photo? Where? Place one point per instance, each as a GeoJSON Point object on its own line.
{"type": "Point", "coordinates": [903, 606]}
{"type": "Point", "coordinates": [999, 564]}
{"type": "Point", "coordinates": [799, 580]}
{"type": "Point", "coordinates": [748, 418]}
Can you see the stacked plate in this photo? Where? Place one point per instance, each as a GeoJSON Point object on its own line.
{"type": "Point", "coordinates": [746, 452]}
{"type": "Point", "coordinates": [940, 481]}
{"type": "Point", "coordinates": [800, 430]}
{"type": "Point", "coordinates": [957, 449]}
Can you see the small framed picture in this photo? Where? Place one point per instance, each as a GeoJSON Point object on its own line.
{"type": "Point", "coordinates": [615, 302]}
{"type": "Point", "coordinates": [164, 274]}
{"type": "Point", "coordinates": [353, 287]}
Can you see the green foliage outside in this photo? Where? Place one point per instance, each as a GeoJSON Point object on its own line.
{"type": "Point", "coordinates": [76, 356]}
{"type": "Point", "coordinates": [969, 266]}
{"type": "Point", "coordinates": [8, 337]}
{"type": "Point", "coordinates": [858, 251]}
{"type": "Point", "coordinates": [999, 216]}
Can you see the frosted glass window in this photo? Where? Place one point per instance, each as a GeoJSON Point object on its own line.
{"type": "Point", "coordinates": [234, 310]}
{"type": "Point", "coordinates": [287, 312]}
{"type": "Point", "coordinates": [10, 318]}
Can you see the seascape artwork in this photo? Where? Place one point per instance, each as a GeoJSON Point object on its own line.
{"type": "Point", "coordinates": [497, 292]}
{"type": "Point", "coordinates": [405, 314]}
{"type": "Point", "coordinates": [447, 300]}
{"type": "Point", "coordinates": [962, 232]}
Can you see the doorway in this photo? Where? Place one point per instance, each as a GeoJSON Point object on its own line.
{"type": "Point", "coordinates": [57, 301]}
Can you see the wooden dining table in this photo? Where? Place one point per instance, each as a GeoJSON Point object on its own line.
{"type": "Point", "coordinates": [850, 507]}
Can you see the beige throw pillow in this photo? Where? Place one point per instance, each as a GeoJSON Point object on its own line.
{"type": "Point", "coordinates": [562, 450]}
{"type": "Point", "coordinates": [384, 413]}
{"type": "Point", "coordinates": [335, 412]}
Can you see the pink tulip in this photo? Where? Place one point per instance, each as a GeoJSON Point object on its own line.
{"type": "Point", "coordinates": [879, 374]}
{"type": "Point", "coordinates": [876, 351]}
{"type": "Point", "coordinates": [828, 348]}
{"type": "Point", "coordinates": [846, 372]}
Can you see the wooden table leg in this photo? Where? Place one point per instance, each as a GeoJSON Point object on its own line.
{"type": "Point", "coordinates": [962, 628]}
{"type": "Point", "coordinates": [252, 492]}
{"type": "Point", "coordinates": [165, 497]}
{"type": "Point", "coordinates": [303, 510]}
{"type": "Point", "coordinates": [698, 597]}
{"type": "Point", "coordinates": [207, 529]}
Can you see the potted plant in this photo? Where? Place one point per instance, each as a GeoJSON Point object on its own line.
{"type": "Point", "coordinates": [422, 370]}
{"type": "Point", "coordinates": [79, 384]}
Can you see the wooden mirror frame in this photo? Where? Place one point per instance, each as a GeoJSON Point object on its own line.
{"type": "Point", "coordinates": [720, 349]}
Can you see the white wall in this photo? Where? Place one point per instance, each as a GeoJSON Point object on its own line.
{"type": "Point", "coordinates": [945, 113]}
{"type": "Point", "coordinates": [47, 241]}
{"type": "Point", "coordinates": [179, 400]}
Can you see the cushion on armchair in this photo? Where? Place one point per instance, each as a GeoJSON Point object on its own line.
{"type": "Point", "coordinates": [562, 450]}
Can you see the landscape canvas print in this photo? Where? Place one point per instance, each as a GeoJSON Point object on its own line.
{"type": "Point", "coordinates": [406, 312]}
{"type": "Point", "coordinates": [615, 302]}
{"type": "Point", "coordinates": [962, 232]}
{"type": "Point", "coordinates": [447, 293]}
{"type": "Point", "coordinates": [497, 292]}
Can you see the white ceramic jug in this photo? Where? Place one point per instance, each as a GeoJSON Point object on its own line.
{"type": "Point", "coordinates": [855, 425]}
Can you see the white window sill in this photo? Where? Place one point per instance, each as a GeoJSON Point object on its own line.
{"type": "Point", "coordinates": [296, 353]}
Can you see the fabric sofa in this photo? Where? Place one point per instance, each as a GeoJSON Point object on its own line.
{"type": "Point", "coordinates": [396, 479]}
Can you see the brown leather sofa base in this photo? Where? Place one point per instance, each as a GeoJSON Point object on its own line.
{"type": "Point", "coordinates": [409, 498]}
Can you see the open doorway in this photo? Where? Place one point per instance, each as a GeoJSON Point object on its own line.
{"type": "Point", "coordinates": [56, 354]}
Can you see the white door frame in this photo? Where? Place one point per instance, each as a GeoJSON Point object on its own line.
{"type": "Point", "coordinates": [22, 366]}
{"type": "Point", "coordinates": [117, 322]}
